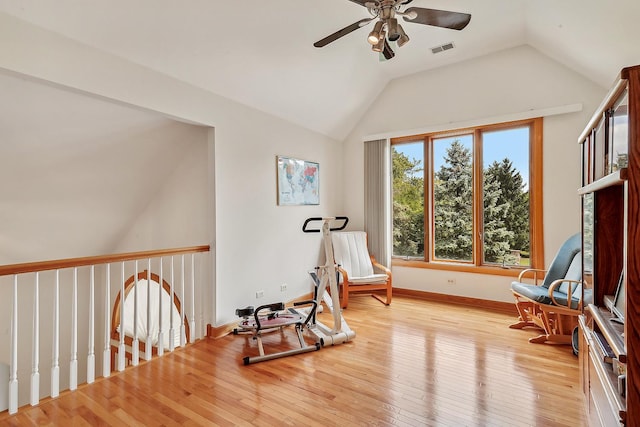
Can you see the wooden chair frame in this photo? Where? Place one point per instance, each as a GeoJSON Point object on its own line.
{"type": "Point", "coordinates": [557, 321]}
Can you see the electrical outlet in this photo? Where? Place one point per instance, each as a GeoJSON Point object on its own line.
{"type": "Point", "coordinates": [259, 294]}
{"type": "Point", "coordinates": [451, 281]}
{"type": "Point", "coordinates": [283, 287]}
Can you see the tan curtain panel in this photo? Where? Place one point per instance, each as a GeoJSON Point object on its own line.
{"type": "Point", "coordinates": [377, 198]}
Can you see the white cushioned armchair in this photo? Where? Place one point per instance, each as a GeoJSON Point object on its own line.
{"type": "Point", "coordinates": [359, 271]}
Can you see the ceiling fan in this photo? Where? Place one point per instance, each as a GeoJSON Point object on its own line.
{"type": "Point", "coordinates": [388, 29]}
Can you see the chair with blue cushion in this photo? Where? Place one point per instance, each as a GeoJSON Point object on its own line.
{"type": "Point", "coordinates": [553, 302]}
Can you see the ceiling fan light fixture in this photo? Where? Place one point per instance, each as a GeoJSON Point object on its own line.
{"type": "Point", "coordinates": [376, 34]}
{"type": "Point", "coordinates": [379, 47]}
{"type": "Point", "coordinates": [388, 32]}
{"type": "Point", "coordinates": [392, 28]}
{"type": "Point", "coordinates": [403, 38]}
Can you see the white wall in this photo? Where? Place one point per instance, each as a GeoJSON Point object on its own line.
{"type": "Point", "coordinates": [257, 245]}
{"type": "Point", "coordinates": [500, 85]}
{"type": "Point", "coordinates": [261, 245]}
{"type": "Point", "coordinates": [68, 162]}
{"type": "Point", "coordinates": [176, 214]}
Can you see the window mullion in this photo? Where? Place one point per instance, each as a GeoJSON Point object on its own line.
{"type": "Point", "coordinates": [428, 199]}
{"type": "Point", "coordinates": [477, 198]}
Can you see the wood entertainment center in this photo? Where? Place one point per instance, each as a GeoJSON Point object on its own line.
{"type": "Point", "coordinates": [609, 334]}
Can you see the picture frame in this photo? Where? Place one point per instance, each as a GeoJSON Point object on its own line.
{"type": "Point", "coordinates": [298, 181]}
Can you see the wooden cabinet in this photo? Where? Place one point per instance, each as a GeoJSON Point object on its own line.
{"type": "Point", "coordinates": [609, 342]}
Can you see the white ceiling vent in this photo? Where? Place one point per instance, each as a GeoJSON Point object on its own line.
{"type": "Point", "coordinates": [442, 48]}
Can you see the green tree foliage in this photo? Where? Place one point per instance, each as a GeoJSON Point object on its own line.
{"type": "Point", "coordinates": [515, 197]}
{"type": "Point", "coordinates": [496, 235]}
{"type": "Point", "coordinates": [453, 205]}
{"type": "Point", "coordinates": [505, 206]}
{"type": "Point", "coordinates": [408, 206]}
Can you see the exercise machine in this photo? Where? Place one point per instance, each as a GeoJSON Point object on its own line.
{"type": "Point", "coordinates": [273, 317]}
{"type": "Point", "coordinates": [326, 276]}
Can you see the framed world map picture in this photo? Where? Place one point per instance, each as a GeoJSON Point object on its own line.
{"type": "Point", "coordinates": [298, 182]}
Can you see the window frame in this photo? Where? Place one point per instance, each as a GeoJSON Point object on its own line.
{"type": "Point", "coordinates": [535, 199]}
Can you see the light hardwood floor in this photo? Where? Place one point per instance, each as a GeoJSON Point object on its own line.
{"type": "Point", "coordinates": [414, 363]}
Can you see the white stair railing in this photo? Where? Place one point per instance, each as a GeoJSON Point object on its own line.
{"type": "Point", "coordinates": [106, 352]}
{"type": "Point", "coordinates": [91, 355]}
{"type": "Point", "coordinates": [160, 312]}
{"type": "Point", "coordinates": [55, 367]}
{"type": "Point", "coordinates": [192, 318]}
{"type": "Point", "coordinates": [69, 292]}
{"type": "Point", "coordinates": [183, 332]}
{"type": "Point", "coordinates": [172, 330]}
{"type": "Point", "coordinates": [35, 372]}
{"type": "Point", "coordinates": [148, 342]}
{"type": "Point", "coordinates": [73, 364]}
{"type": "Point", "coordinates": [121, 348]}
{"type": "Point", "coordinates": [13, 378]}
{"type": "Point", "coordinates": [135, 346]}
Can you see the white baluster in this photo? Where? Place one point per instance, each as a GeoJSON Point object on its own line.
{"type": "Point", "coordinates": [192, 320]}
{"type": "Point", "coordinates": [106, 354]}
{"type": "Point", "coordinates": [73, 364]}
{"type": "Point", "coordinates": [183, 332]}
{"type": "Point", "coordinates": [148, 341]}
{"type": "Point", "coordinates": [172, 332]}
{"type": "Point", "coordinates": [35, 368]}
{"type": "Point", "coordinates": [55, 365]}
{"type": "Point", "coordinates": [91, 357]}
{"type": "Point", "coordinates": [135, 345]}
{"type": "Point", "coordinates": [13, 378]}
{"type": "Point", "coordinates": [121, 348]}
{"type": "Point", "coordinates": [160, 329]}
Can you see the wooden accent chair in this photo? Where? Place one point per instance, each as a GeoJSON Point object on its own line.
{"type": "Point", "coordinates": [358, 268]}
{"type": "Point", "coordinates": [128, 338]}
{"type": "Point", "coordinates": [554, 302]}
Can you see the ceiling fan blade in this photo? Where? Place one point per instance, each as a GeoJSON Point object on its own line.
{"type": "Point", "coordinates": [438, 18]}
{"type": "Point", "coordinates": [361, 2]}
{"type": "Point", "coordinates": [343, 32]}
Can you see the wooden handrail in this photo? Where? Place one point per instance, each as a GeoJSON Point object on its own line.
{"type": "Point", "coordinates": [31, 267]}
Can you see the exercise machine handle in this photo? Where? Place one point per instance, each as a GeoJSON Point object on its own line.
{"type": "Point", "coordinates": [271, 307]}
{"type": "Point", "coordinates": [312, 312]}
{"type": "Point", "coordinates": [317, 230]}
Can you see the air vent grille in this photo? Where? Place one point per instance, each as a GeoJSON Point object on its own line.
{"type": "Point", "coordinates": [442, 48]}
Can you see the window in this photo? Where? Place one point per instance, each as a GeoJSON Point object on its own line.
{"type": "Point", "coordinates": [469, 198]}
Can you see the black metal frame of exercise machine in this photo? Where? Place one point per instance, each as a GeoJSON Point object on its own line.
{"type": "Point", "coordinates": [271, 317]}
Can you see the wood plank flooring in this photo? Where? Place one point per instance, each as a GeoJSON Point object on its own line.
{"type": "Point", "coordinates": [414, 363]}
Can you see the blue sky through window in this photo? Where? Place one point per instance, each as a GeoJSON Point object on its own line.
{"type": "Point", "coordinates": [510, 143]}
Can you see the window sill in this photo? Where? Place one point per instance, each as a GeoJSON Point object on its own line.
{"type": "Point", "coordinates": [465, 268]}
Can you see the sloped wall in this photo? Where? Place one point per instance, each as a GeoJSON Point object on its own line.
{"type": "Point", "coordinates": [77, 171]}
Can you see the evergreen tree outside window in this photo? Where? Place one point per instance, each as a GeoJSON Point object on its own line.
{"type": "Point", "coordinates": [453, 198]}
{"type": "Point", "coordinates": [506, 196]}
{"type": "Point", "coordinates": [465, 197]}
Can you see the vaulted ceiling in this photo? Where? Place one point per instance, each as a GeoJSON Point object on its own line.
{"type": "Point", "coordinates": [260, 53]}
